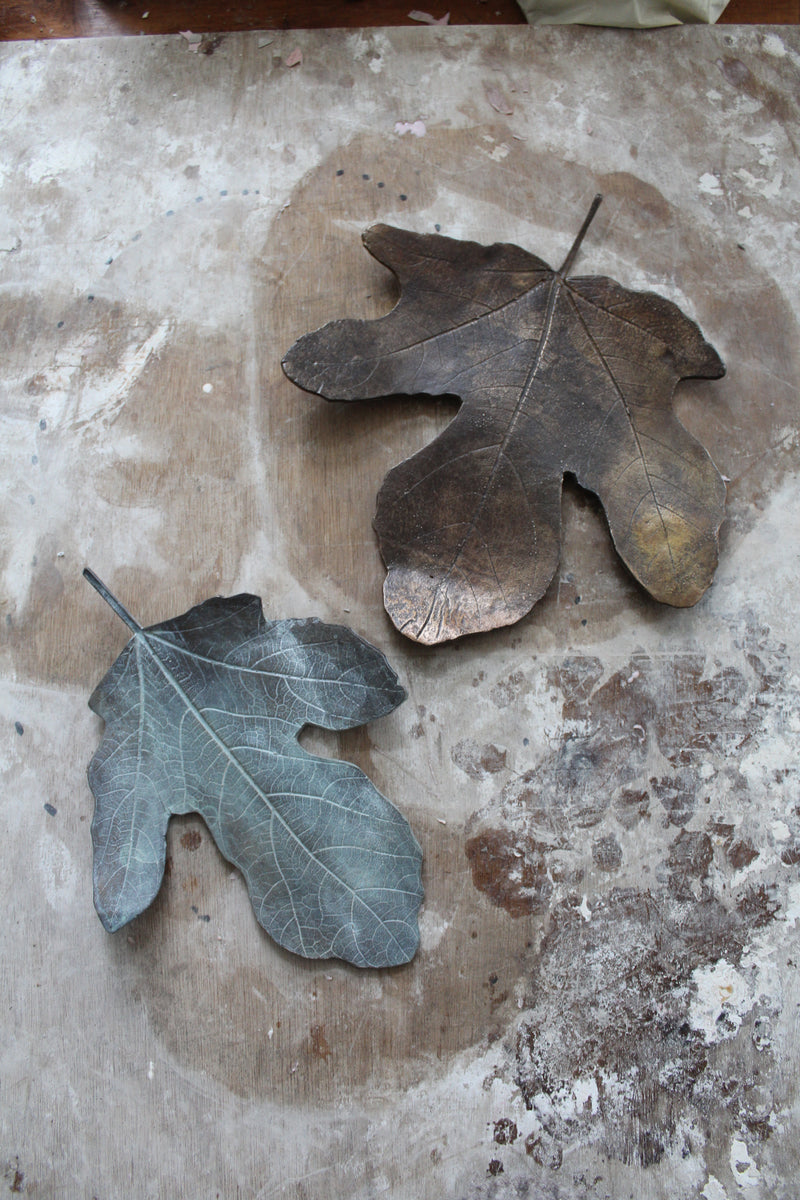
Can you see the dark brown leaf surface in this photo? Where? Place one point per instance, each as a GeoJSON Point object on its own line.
{"type": "Point", "coordinates": [557, 374]}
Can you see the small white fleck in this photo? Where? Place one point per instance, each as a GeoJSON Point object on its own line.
{"type": "Point", "coordinates": [441, 820]}
{"type": "Point", "coordinates": [746, 212]}
{"type": "Point", "coordinates": [710, 184]}
{"type": "Point", "coordinates": [774, 46]}
{"type": "Point", "coordinates": [781, 831]}
{"type": "Point", "coordinates": [415, 128]}
{"type": "Point", "coordinates": [270, 1032]}
{"type": "Point", "coordinates": [60, 554]}
{"type": "Point", "coordinates": [584, 909]}
{"type": "Point", "coordinates": [150, 1070]}
{"type": "Point", "coordinates": [635, 675]}
{"type": "Point", "coordinates": [146, 15]}
{"type": "Point", "coordinates": [208, 387]}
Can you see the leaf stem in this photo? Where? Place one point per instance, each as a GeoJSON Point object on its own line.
{"type": "Point", "coordinates": [111, 600]}
{"type": "Point", "coordinates": [576, 245]}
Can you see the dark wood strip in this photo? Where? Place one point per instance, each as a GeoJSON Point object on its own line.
{"type": "Point", "coordinates": [97, 18]}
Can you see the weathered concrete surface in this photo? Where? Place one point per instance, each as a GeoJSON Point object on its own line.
{"type": "Point", "coordinates": [607, 793]}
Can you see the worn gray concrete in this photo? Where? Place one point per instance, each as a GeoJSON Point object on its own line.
{"type": "Point", "coordinates": [605, 1002]}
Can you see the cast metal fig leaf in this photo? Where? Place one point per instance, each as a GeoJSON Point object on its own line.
{"type": "Point", "coordinates": [557, 374]}
{"type": "Point", "coordinates": [202, 715]}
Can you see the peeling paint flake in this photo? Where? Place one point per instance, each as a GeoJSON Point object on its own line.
{"type": "Point", "coordinates": [426, 19]}
{"type": "Point", "coordinates": [710, 185]}
{"type": "Point", "coordinates": [415, 128]}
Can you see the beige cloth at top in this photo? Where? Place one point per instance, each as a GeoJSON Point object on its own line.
{"type": "Point", "coordinates": [626, 14]}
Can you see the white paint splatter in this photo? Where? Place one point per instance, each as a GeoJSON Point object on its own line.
{"type": "Point", "coordinates": [415, 128]}
{"type": "Point", "coordinates": [208, 388]}
{"type": "Point", "coordinates": [791, 912]}
{"type": "Point", "coordinates": [714, 1190]}
{"type": "Point", "coordinates": [721, 989]}
{"type": "Point", "coordinates": [432, 929]}
{"type": "Point", "coordinates": [109, 392]}
{"type": "Point", "coordinates": [745, 1171]}
{"type": "Point", "coordinates": [498, 154]}
{"type": "Point", "coordinates": [768, 188]}
{"type": "Point", "coordinates": [60, 876]}
{"type": "Point", "coordinates": [710, 185]}
{"type": "Point", "coordinates": [772, 44]}
{"type": "Point", "coordinates": [586, 1095]}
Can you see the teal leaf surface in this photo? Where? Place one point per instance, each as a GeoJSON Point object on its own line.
{"type": "Point", "coordinates": [202, 715]}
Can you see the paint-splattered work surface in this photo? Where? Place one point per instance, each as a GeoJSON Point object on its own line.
{"type": "Point", "coordinates": [605, 1001]}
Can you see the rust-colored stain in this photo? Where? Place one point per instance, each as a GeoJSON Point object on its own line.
{"type": "Point", "coordinates": [191, 839]}
{"type": "Point", "coordinates": [318, 1043]}
{"type": "Point", "coordinates": [511, 871]}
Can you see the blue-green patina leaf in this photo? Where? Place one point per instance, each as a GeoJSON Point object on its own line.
{"type": "Point", "coordinates": [202, 715]}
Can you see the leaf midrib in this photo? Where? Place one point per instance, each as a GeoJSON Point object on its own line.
{"type": "Point", "coordinates": [214, 736]}
{"type": "Point", "coordinates": [557, 281]}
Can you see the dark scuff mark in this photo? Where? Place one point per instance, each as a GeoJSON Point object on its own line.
{"type": "Point", "coordinates": [19, 727]}
{"type": "Point", "coordinates": [741, 854]}
{"type": "Point", "coordinates": [50, 809]}
{"type": "Point", "coordinates": [689, 859]}
{"type": "Point", "coordinates": [478, 761]}
{"type": "Point", "coordinates": [191, 840]}
{"type": "Point", "coordinates": [505, 1132]}
{"type": "Point", "coordinates": [607, 853]}
{"type": "Point", "coordinates": [759, 905]}
{"type": "Point", "coordinates": [545, 1150]}
{"type": "Point", "coordinates": [210, 42]}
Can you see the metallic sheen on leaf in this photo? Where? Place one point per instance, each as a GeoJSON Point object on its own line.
{"type": "Point", "coordinates": [557, 374]}
{"type": "Point", "coordinates": [202, 715]}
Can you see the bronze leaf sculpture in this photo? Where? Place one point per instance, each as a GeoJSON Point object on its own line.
{"type": "Point", "coordinates": [556, 374]}
{"type": "Point", "coordinates": [202, 715]}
